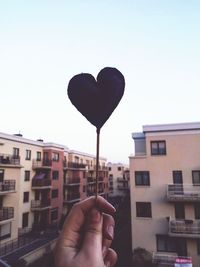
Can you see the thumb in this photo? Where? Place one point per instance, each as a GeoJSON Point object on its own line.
{"type": "Point", "coordinates": [93, 232]}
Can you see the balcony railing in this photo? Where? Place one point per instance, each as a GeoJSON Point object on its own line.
{"type": "Point", "coordinates": [73, 165]}
{"type": "Point", "coordinates": [167, 259]}
{"type": "Point", "coordinates": [40, 205]}
{"type": "Point", "coordinates": [183, 192]}
{"type": "Point", "coordinates": [72, 181]}
{"type": "Point", "coordinates": [44, 163]}
{"type": "Point", "coordinates": [6, 159]}
{"type": "Point", "coordinates": [38, 183]}
{"type": "Point", "coordinates": [91, 180]}
{"type": "Point", "coordinates": [72, 197]}
{"type": "Point", "coordinates": [6, 213]}
{"type": "Point", "coordinates": [184, 228]}
{"type": "Point", "coordinates": [7, 186]}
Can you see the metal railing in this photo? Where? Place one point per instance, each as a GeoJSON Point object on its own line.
{"type": "Point", "coordinates": [190, 228]}
{"type": "Point", "coordinates": [6, 213]}
{"type": "Point", "coordinates": [72, 197]}
{"type": "Point", "coordinates": [9, 159]}
{"type": "Point", "coordinates": [7, 185]}
{"type": "Point", "coordinates": [183, 192]}
{"type": "Point", "coordinates": [38, 204]}
{"type": "Point", "coordinates": [41, 182]}
{"type": "Point", "coordinates": [73, 165]}
{"type": "Point", "coordinates": [72, 181]}
{"type": "Point", "coordinates": [43, 163]}
{"type": "Point", "coordinates": [164, 259]}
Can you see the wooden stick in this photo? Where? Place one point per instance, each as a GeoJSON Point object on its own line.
{"type": "Point", "coordinates": [97, 163]}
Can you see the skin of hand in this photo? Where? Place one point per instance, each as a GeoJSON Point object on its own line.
{"type": "Point", "coordinates": [87, 236]}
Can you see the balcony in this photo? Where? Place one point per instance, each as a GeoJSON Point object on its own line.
{"type": "Point", "coordinates": [91, 180]}
{"type": "Point", "coordinates": [72, 181]}
{"type": "Point", "coordinates": [6, 213]}
{"type": "Point", "coordinates": [42, 164]}
{"type": "Point", "coordinates": [9, 161]}
{"type": "Point", "coordinates": [73, 165]}
{"type": "Point", "coordinates": [38, 205]}
{"type": "Point", "coordinates": [7, 186]}
{"type": "Point", "coordinates": [183, 193]}
{"type": "Point", "coordinates": [71, 198]}
{"type": "Point", "coordinates": [184, 228]}
{"type": "Point", "coordinates": [41, 183]}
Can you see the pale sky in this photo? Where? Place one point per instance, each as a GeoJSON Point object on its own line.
{"type": "Point", "coordinates": [43, 44]}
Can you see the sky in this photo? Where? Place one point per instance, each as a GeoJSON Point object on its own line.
{"type": "Point", "coordinates": [43, 44]}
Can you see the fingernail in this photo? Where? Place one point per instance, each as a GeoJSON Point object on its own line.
{"type": "Point", "coordinates": [95, 216]}
{"type": "Point", "coordinates": [104, 251]}
{"type": "Point", "coordinates": [110, 231]}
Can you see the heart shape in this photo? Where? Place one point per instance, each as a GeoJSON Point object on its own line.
{"type": "Point", "coordinates": [96, 100]}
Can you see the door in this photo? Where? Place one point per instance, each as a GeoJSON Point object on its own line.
{"type": "Point", "coordinates": [178, 182]}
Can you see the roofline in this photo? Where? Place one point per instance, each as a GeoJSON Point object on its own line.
{"type": "Point", "coordinates": [188, 126]}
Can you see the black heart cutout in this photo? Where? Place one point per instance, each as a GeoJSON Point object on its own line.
{"type": "Point", "coordinates": [96, 100]}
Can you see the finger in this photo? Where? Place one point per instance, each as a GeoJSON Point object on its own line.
{"type": "Point", "coordinates": [111, 258]}
{"type": "Point", "coordinates": [108, 226]}
{"type": "Point", "coordinates": [77, 215]}
{"type": "Point", "coordinates": [92, 242]}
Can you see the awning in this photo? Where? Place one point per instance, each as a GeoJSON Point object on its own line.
{"type": "Point", "coordinates": [39, 176]}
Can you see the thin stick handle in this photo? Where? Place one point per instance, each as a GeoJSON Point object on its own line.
{"type": "Point", "coordinates": [97, 163]}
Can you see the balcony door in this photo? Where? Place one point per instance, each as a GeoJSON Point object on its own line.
{"type": "Point", "coordinates": [1, 175]}
{"type": "Point", "coordinates": [178, 182]}
{"type": "Point", "coordinates": [179, 210]}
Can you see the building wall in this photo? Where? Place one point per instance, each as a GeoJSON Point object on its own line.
{"type": "Point", "coordinates": [183, 153]}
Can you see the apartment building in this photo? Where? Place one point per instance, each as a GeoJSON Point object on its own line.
{"type": "Point", "coordinates": [40, 182]}
{"type": "Point", "coordinates": [80, 177]}
{"type": "Point", "coordinates": [165, 191]}
{"type": "Point", "coordinates": [118, 179]}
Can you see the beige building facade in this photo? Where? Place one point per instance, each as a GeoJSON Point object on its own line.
{"type": "Point", "coordinates": [40, 182]}
{"type": "Point", "coordinates": [165, 190]}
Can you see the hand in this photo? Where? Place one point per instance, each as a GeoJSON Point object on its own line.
{"type": "Point", "coordinates": [87, 235]}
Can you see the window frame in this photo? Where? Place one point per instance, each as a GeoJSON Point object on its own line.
{"type": "Point", "coordinates": [54, 193]}
{"type": "Point", "coordinates": [28, 154]}
{"type": "Point", "coordinates": [158, 149]}
{"type": "Point", "coordinates": [26, 197]}
{"type": "Point", "coordinates": [55, 177]}
{"type": "Point", "coordinates": [27, 177]}
{"type": "Point", "coordinates": [140, 211]}
{"type": "Point", "coordinates": [142, 173]}
{"type": "Point", "coordinates": [193, 182]}
{"type": "Point", "coordinates": [24, 219]}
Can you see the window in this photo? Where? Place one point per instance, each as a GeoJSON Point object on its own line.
{"type": "Point", "coordinates": [196, 177]}
{"type": "Point", "coordinates": [109, 168]}
{"type": "Point", "coordinates": [55, 156]}
{"type": "Point", "coordinates": [1, 175]}
{"type": "Point", "coordinates": [142, 178]}
{"type": "Point", "coordinates": [54, 214]}
{"type": "Point", "coordinates": [54, 193]}
{"type": "Point", "coordinates": [198, 246]}
{"type": "Point", "coordinates": [179, 210]}
{"type": "Point", "coordinates": [171, 244]}
{"type": "Point", "coordinates": [197, 211]}
{"type": "Point", "coordinates": [143, 209]}
{"type": "Point", "coordinates": [15, 152]}
{"type": "Point", "coordinates": [26, 197]}
{"type": "Point", "coordinates": [38, 156]}
{"type": "Point", "coordinates": [27, 175]}
{"type": "Point", "coordinates": [158, 148]}
{"type": "Point", "coordinates": [5, 231]}
{"type": "Point", "coordinates": [119, 168]}
{"type": "Point", "coordinates": [84, 188]}
{"type": "Point", "coordinates": [55, 175]}
{"type": "Point", "coordinates": [165, 243]}
{"type": "Point", "coordinates": [25, 219]}
{"type": "Point", "coordinates": [177, 177]}
{"type": "Point", "coordinates": [28, 154]}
